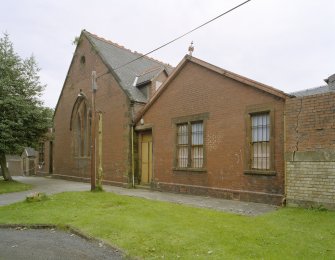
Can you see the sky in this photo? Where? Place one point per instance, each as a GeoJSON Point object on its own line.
{"type": "Point", "coordinates": [287, 44]}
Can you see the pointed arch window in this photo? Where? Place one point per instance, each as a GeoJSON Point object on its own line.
{"type": "Point", "coordinates": [81, 126]}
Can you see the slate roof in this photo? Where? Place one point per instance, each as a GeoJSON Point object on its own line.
{"type": "Point", "coordinates": [312, 91]}
{"type": "Point", "coordinates": [148, 75]}
{"type": "Point", "coordinates": [115, 56]}
{"type": "Point", "coordinates": [30, 151]}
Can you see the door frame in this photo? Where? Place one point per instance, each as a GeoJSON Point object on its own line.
{"type": "Point", "coordinates": [140, 135]}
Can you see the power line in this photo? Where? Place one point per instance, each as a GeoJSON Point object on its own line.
{"type": "Point", "coordinates": [183, 35]}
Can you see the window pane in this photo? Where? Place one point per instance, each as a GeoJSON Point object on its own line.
{"type": "Point", "coordinates": [182, 134]}
{"type": "Point", "coordinates": [261, 156]}
{"type": "Point", "coordinates": [182, 156]}
{"type": "Point", "coordinates": [78, 136]}
{"type": "Point", "coordinates": [197, 156]}
{"type": "Point", "coordinates": [197, 133]}
{"type": "Point", "coordinates": [260, 127]}
{"type": "Point", "coordinates": [197, 145]}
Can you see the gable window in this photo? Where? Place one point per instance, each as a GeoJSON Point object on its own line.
{"type": "Point", "coordinates": [82, 130]}
{"type": "Point", "coordinates": [260, 141]}
{"type": "Point", "coordinates": [190, 145]}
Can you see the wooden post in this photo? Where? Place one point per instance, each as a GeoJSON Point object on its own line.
{"type": "Point", "coordinates": [100, 170]}
{"type": "Point", "coordinates": [93, 164]}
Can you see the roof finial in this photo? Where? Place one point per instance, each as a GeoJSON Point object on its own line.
{"type": "Point", "coordinates": [191, 48]}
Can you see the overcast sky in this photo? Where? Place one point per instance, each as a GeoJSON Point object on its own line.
{"type": "Point", "coordinates": [287, 44]}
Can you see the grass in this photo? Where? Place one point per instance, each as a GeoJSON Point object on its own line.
{"type": "Point", "coordinates": [156, 230]}
{"type": "Point", "coordinates": [13, 186]}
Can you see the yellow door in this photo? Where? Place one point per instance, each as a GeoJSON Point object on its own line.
{"type": "Point", "coordinates": [146, 158]}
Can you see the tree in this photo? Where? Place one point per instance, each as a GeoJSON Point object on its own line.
{"type": "Point", "coordinates": [23, 119]}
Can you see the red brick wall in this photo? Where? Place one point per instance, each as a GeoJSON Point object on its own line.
{"type": "Point", "coordinates": [152, 87]}
{"type": "Point", "coordinates": [310, 122]}
{"type": "Point", "coordinates": [198, 90]}
{"type": "Point", "coordinates": [115, 105]}
{"type": "Point", "coordinates": [310, 150]}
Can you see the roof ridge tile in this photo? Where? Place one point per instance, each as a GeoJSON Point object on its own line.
{"type": "Point", "coordinates": [134, 52]}
{"type": "Point", "coordinates": [152, 69]}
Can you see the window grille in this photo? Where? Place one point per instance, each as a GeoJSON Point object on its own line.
{"type": "Point", "coordinates": [197, 145]}
{"type": "Point", "coordinates": [41, 153]}
{"type": "Point", "coordinates": [260, 141]}
{"type": "Point", "coordinates": [190, 145]}
{"type": "Point", "coordinates": [183, 145]}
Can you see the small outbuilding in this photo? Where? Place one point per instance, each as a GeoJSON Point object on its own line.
{"type": "Point", "coordinates": [29, 161]}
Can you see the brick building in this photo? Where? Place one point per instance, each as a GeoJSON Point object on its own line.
{"type": "Point", "coordinates": [237, 147]}
{"type": "Point", "coordinates": [195, 129]}
{"type": "Point", "coordinates": [310, 146]}
{"type": "Point", "coordinates": [209, 131]}
{"type": "Point", "coordinates": [122, 91]}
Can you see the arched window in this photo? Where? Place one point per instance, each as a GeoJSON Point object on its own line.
{"type": "Point", "coordinates": [81, 127]}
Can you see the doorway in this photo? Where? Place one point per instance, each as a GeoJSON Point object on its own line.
{"type": "Point", "coordinates": [51, 157]}
{"type": "Point", "coordinates": [146, 157]}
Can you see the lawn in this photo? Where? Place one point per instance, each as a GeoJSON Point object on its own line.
{"type": "Point", "coordinates": [12, 186]}
{"type": "Point", "coordinates": [152, 229]}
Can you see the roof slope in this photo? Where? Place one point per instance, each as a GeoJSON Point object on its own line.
{"type": "Point", "coordinates": [30, 152]}
{"type": "Point", "coordinates": [115, 56]}
{"type": "Point", "coordinates": [330, 87]}
{"type": "Point", "coordinates": [226, 73]}
{"type": "Point", "coordinates": [312, 91]}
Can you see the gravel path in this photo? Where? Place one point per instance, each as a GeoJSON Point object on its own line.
{"type": "Point", "coordinates": [51, 186]}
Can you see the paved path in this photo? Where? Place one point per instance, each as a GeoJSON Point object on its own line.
{"type": "Point", "coordinates": [41, 184]}
{"type": "Point", "coordinates": [51, 186]}
{"type": "Point", "coordinates": [51, 244]}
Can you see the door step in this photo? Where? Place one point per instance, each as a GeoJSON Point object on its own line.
{"type": "Point", "coordinates": [143, 186]}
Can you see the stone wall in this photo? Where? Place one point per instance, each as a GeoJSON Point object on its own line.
{"type": "Point", "coordinates": [310, 150]}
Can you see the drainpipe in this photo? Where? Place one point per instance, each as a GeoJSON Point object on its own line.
{"type": "Point", "coordinates": [132, 156]}
{"type": "Point", "coordinates": [285, 173]}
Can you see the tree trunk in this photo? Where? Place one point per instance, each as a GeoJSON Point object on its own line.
{"type": "Point", "coordinates": [4, 169]}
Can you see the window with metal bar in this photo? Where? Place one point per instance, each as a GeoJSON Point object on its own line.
{"type": "Point", "coordinates": [190, 145]}
{"type": "Point", "coordinates": [260, 141]}
{"type": "Point", "coordinates": [197, 145]}
{"type": "Point", "coordinates": [183, 145]}
{"type": "Point", "coordinates": [41, 153]}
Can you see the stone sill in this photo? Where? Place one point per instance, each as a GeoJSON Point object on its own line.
{"type": "Point", "coordinates": [190, 170]}
{"type": "Point", "coordinates": [82, 158]}
{"type": "Point", "coordinates": [260, 172]}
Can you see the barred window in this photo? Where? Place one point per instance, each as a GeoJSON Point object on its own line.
{"type": "Point", "coordinates": [190, 145]}
{"type": "Point", "coordinates": [183, 145]}
{"type": "Point", "coordinates": [41, 153]}
{"type": "Point", "coordinates": [197, 145]}
{"type": "Point", "coordinates": [260, 141]}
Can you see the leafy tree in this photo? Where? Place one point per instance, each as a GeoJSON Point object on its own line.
{"type": "Point", "coordinates": [23, 119]}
